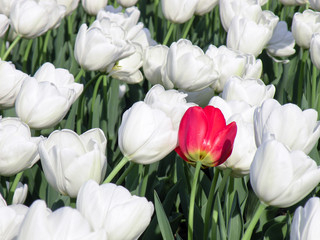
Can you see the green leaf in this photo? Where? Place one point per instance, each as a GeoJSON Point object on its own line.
{"type": "Point", "coordinates": [235, 226]}
{"type": "Point", "coordinates": [164, 224]}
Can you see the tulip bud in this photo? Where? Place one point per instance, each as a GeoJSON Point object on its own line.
{"type": "Point", "coordinates": [131, 214]}
{"type": "Point", "coordinates": [93, 6]}
{"type": "Point", "coordinates": [290, 175]}
{"type": "Point", "coordinates": [20, 194]}
{"type": "Point", "coordinates": [19, 150]}
{"type": "Point", "coordinates": [178, 11]}
{"type": "Point", "coordinates": [305, 222]}
{"type": "Point", "coordinates": [296, 129]}
{"type": "Point", "coordinates": [205, 137]}
{"type": "Point", "coordinates": [10, 84]}
{"type": "Point", "coordinates": [188, 68]}
{"type": "Point", "coordinates": [69, 160]}
{"type": "Point", "coordinates": [304, 25]}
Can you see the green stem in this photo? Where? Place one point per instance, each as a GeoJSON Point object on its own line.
{"type": "Point", "coordinates": [254, 220]}
{"type": "Point", "coordinates": [186, 31]}
{"type": "Point", "coordinates": [12, 45]}
{"type": "Point", "coordinates": [45, 47]}
{"type": "Point", "coordinates": [209, 203]}
{"type": "Point", "coordinates": [95, 92]}
{"type": "Point", "coordinates": [81, 103]}
{"type": "Point", "coordinates": [13, 187]}
{"type": "Point", "coordinates": [314, 87]}
{"type": "Point", "coordinates": [155, 10]}
{"type": "Point", "coordinates": [125, 173]}
{"type": "Point", "coordinates": [115, 171]}
{"type": "Point", "coordinates": [192, 199]}
{"type": "Point", "coordinates": [79, 75]}
{"type": "Point", "coordinates": [303, 57]}
{"type": "Point", "coordinates": [144, 181]}
{"type": "Point", "coordinates": [26, 55]}
{"type": "Point", "coordinates": [165, 41]}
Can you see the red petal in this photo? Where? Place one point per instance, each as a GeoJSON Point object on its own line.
{"type": "Point", "coordinates": [180, 153]}
{"type": "Point", "coordinates": [192, 129]}
{"type": "Point", "coordinates": [223, 144]}
{"type": "Point", "coordinates": [216, 123]}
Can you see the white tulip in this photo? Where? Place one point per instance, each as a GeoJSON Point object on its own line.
{"type": "Point", "coordinates": [146, 135]}
{"type": "Point", "coordinates": [305, 221]}
{"type": "Point", "coordinates": [251, 91]}
{"type": "Point", "coordinates": [230, 63]}
{"type": "Point", "coordinates": [171, 102]}
{"type": "Point", "coordinates": [64, 223]}
{"type": "Point", "coordinates": [20, 194]}
{"type": "Point", "coordinates": [45, 99]}
{"type": "Point", "coordinates": [178, 11]}
{"type": "Point", "coordinates": [294, 2]}
{"type": "Point", "coordinates": [19, 150]}
{"type": "Point", "coordinates": [127, 3]}
{"type": "Point", "coordinates": [93, 6]}
{"type": "Point", "coordinates": [101, 45]}
{"type": "Point", "coordinates": [229, 9]}
{"type": "Point", "coordinates": [127, 69]}
{"type": "Point", "coordinates": [253, 68]}
{"type": "Point", "coordinates": [315, 4]}
{"type": "Point", "coordinates": [70, 5]}
{"type": "Point", "coordinates": [188, 68]}
{"type": "Point", "coordinates": [304, 25]}
{"type": "Point", "coordinates": [30, 18]}
{"type": "Point", "coordinates": [60, 77]}
{"type": "Point", "coordinates": [205, 6]}
{"type": "Point", "coordinates": [5, 7]}
{"type": "Point", "coordinates": [11, 218]}
{"type": "Point", "coordinates": [10, 84]}
{"type": "Point", "coordinates": [315, 49]}
{"type": "Point", "coordinates": [244, 146]}
{"type": "Point", "coordinates": [154, 58]}
{"type": "Point", "coordinates": [110, 207]}
{"type": "Point", "coordinates": [282, 178]}
{"type": "Point", "coordinates": [4, 24]}
{"type": "Point", "coordinates": [296, 129]}
{"type": "Point", "coordinates": [69, 160]}
{"type": "Point", "coordinates": [282, 42]}
{"type": "Point", "coordinates": [250, 36]}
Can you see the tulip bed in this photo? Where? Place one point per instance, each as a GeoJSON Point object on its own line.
{"type": "Point", "coordinates": [163, 119]}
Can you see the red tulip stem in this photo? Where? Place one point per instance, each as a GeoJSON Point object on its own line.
{"type": "Point", "coordinates": [192, 199]}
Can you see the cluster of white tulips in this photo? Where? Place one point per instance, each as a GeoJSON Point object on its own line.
{"type": "Point", "coordinates": [106, 91]}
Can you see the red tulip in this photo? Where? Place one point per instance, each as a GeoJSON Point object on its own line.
{"type": "Point", "coordinates": [204, 136]}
